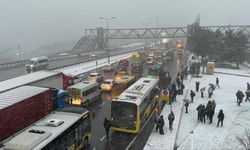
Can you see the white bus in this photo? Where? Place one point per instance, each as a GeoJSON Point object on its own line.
{"type": "Point", "coordinates": [83, 93]}
{"type": "Point", "coordinates": [37, 63]}
{"type": "Point", "coordinates": [131, 109]}
{"type": "Point", "coordinates": [66, 129]}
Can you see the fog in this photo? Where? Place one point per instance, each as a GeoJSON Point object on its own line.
{"type": "Point", "coordinates": [32, 23]}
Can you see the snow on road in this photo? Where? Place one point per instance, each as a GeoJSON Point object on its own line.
{"type": "Point", "coordinates": [205, 136]}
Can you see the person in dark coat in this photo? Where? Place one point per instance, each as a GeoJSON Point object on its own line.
{"type": "Point", "coordinates": [186, 105]}
{"type": "Point", "coordinates": [217, 83]}
{"type": "Point", "coordinates": [192, 95]}
{"type": "Point", "coordinates": [247, 95]}
{"type": "Point", "coordinates": [210, 114]}
{"type": "Point", "coordinates": [107, 126]}
{"type": "Point", "coordinates": [156, 121]}
{"type": "Point", "coordinates": [210, 92]}
{"type": "Point", "coordinates": [171, 120]}
{"type": "Point", "coordinates": [220, 118]}
{"type": "Point", "coordinates": [213, 104]}
{"type": "Point", "coordinates": [197, 86]}
{"type": "Point", "coordinates": [203, 114]}
{"type": "Point", "coordinates": [199, 108]}
{"type": "Point", "coordinates": [248, 86]}
{"type": "Point", "coordinates": [175, 92]}
{"type": "Point", "coordinates": [202, 91]}
{"type": "Point", "coordinates": [160, 124]}
{"type": "Point", "coordinates": [241, 96]}
{"type": "Point", "coordinates": [237, 96]}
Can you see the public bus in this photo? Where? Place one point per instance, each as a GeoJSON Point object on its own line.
{"type": "Point", "coordinates": [37, 63]}
{"type": "Point", "coordinates": [68, 128]}
{"type": "Point", "coordinates": [83, 93]}
{"type": "Point", "coordinates": [131, 109]}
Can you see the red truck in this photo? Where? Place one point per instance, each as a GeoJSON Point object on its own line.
{"type": "Point", "coordinates": [22, 106]}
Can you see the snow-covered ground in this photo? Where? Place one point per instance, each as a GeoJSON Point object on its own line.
{"type": "Point", "coordinates": [200, 136]}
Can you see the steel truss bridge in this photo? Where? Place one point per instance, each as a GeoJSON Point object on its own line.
{"type": "Point", "coordinates": [99, 36]}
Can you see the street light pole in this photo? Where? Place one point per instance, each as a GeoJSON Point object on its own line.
{"type": "Point", "coordinates": [107, 40]}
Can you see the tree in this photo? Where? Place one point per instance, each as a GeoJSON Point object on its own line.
{"type": "Point", "coordinates": [235, 47]}
{"type": "Point", "coordinates": [244, 140]}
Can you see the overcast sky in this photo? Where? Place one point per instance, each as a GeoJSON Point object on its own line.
{"type": "Point", "coordinates": [36, 22]}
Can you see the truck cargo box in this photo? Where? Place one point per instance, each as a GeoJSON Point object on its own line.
{"type": "Point", "coordinates": [50, 79]}
{"type": "Point", "coordinates": [21, 107]}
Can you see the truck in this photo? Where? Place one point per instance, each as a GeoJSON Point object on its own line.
{"type": "Point", "coordinates": [22, 106]}
{"type": "Point", "coordinates": [50, 79]}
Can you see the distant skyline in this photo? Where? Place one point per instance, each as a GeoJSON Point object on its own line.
{"type": "Point", "coordinates": [32, 23]}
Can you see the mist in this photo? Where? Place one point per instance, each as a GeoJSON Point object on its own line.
{"type": "Point", "coordinates": [32, 23]}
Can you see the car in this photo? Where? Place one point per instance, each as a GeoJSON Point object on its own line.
{"type": "Point", "coordinates": [107, 85]}
{"type": "Point", "coordinates": [96, 77]}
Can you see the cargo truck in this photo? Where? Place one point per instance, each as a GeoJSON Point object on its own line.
{"type": "Point", "coordinates": [23, 106]}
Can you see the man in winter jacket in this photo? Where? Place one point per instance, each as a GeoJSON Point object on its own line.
{"type": "Point", "coordinates": [220, 118]}
{"type": "Point", "coordinates": [192, 95]}
{"type": "Point", "coordinates": [171, 120]}
{"type": "Point", "coordinates": [241, 96]}
{"type": "Point", "coordinates": [107, 125]}
{"type": "Point", "coordinates": [213, 104]}
{"type": "Point", "coordinates": [197, 86]}
{"type": "Point", "coordinates": [217, 82]}
{"type": "Point", "coordinates": [210, 92]}
{"type": "Point", "coordinates": [210, 114]}
{"type": "Point", "coordinates": [186, 105]}
{"type": "Point", "coordinates": [160, 124]}
{"type": "Point", "coordinates": [247, 95]}
{"type": "Point", "coordinates": [199, 108]}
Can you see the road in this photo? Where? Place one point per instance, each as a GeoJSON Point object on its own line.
{"type": "Point", "coordinates": [102, 109]}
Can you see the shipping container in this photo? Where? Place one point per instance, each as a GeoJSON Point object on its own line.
{"type": "Point", "coordinates": [21, 107]}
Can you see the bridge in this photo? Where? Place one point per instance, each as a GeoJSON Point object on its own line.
{"type": "Point", "coordinates": [97, 38]}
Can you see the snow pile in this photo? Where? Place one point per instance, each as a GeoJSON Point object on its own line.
{"type": "Point", "coordinates": [205, 136]}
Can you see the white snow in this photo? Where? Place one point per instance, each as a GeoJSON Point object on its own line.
{"type": "Point", "coordinates": [207, 136]}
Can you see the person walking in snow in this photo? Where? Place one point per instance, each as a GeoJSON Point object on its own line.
{"type": "Point", "coordinates": [186, 105]}
{"type": "Point", "coordinates": [202, 91]}
{"type": "Point", "coordinates": [217, 83]}
{"type": "Point", "coordinates": [197, 86]}
{"type": "Point", "coordinates": [247, 95]}
{"type": "Point", "coordinates": [156, 121]}
{"type": "Point", "coordinates": [160, 124]}
{"type": "Point", "coordinates": [220, 118]}
{"type": "Point", "coordinates": [171, 120]}
{"type": "Point", "coordinates": [248, 86]}
{"type": "Point", "coordinates": [210, 92]}
{"type": "Point", "coordinates": [192, 95]}
{"type": "Point", "coordinates": [210, 114]}
{"type": "Point", "coordinates": [238, 96]}
{"type": "Point", "coordinates": [203, 114]}
{"type": "Point", "coordinates": [213, 104]}
{"type": "Point", "coordinates": [241, 96]}
{"type": "Point", "coordinates": [199, 108]}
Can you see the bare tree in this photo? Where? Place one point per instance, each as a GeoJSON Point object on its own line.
{"type": "Point", "coordinates": [244, 140]}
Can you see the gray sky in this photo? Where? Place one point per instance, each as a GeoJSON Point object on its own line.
{"type": "Point", "coordinates": [36, 22]}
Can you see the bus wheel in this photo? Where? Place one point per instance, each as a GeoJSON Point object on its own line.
{"type": "Point", "coordinates": [86, 142]}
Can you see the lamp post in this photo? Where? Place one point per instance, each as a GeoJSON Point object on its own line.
{"type": "Point", "coordinates": [107, 40]}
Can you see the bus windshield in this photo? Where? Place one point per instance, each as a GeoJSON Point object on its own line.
{"type": "Point", "coordinates": [123, 115]}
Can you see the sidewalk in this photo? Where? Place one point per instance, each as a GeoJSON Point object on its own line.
{"type": "Point", "coordinates": [159, 142]}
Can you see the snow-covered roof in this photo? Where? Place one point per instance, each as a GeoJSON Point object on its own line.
{"type": "Point", "coordinates": [19, 94]}
{"type": "Point", "coordinates": [28, 140]}
{"type": "Point", "coordinates": [83, 85]}
{"type": "Point", "coordinates": [138, 91]}
{"type": "Point", "coordinates": [25, 80]}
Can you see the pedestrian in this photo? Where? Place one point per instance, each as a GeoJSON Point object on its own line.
{"type": "Point", "coordinates": [247, 95]}
{"type": "Point", "coordinates": [192, 95]}
{"type": "Point", "coordinates": [171, 120]}
{"type": "Point", "coordinates": [202, 91]}
{"type": "Point", "coordinates": [186, 105]}
{"type": "Point", "coordinates": [210, 114]}
{"type": "Point", "coordinates": [210, 92]}
{"type": "Point", "coordinates": [199, 108]}
{"type": "Point", "coordinates": [220, 118]}
{"type": "Point", "coordinates": [156, 121]}
{"type": "Point", "coordinates": [175, 92]}
{"type": "Point", "coordinates": [241, 96]}
{"type": "Point", "coordinates": [107, 126]}
{"type": "Point", "coordinates": [197, 86]}
{"type": "Point", "coordinates": [160, 124]}
{"type": "Point", "coordinates": [237, 96]}
{"type": "Point", "coordinates": [217, 83]}
{"type": "Point", "coordinates": [213, 104]}
{"type": "Point", "coordinates": [248, 86]}
{"type": "Point", "coordinates": [203, 114]}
